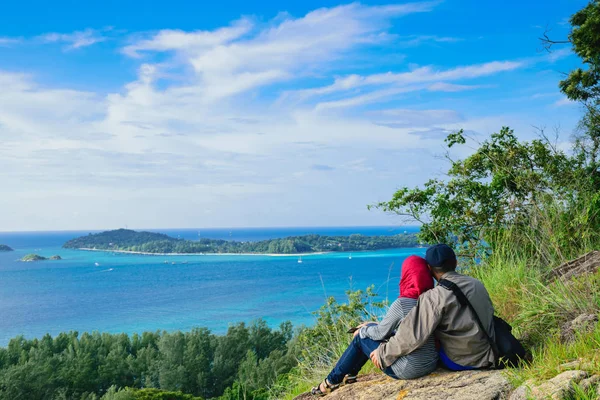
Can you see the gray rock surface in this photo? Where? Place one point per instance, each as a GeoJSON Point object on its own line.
{"type": "Point", "coordinates": [441, 385]}
{"type": "Point", "coordinates": [584, 323]}
{"type": "Point", "coordinates": [557, 388]}
{"type": "Point", "coordinates": [588, 263]}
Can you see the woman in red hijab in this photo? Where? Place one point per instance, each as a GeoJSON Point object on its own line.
{"type": "Point", "coordinates": [415, 280]}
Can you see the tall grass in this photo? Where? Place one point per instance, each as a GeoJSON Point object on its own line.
{"type": "Point", "coordinates": [517, 276]}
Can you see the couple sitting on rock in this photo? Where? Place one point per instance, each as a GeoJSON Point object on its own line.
{"type": "Point", "coordinates": [403, 344]}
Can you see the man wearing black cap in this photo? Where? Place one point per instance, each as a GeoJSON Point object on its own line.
{"type": "Point", "coordinates": [463, 344]}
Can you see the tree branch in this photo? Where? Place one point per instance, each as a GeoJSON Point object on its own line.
{"type": "Point", "coordinates": [547, 43]}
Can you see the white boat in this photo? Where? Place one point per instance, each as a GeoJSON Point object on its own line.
{"type": "Point", "coordinates": [96, 264]}
{"type": "Point", "coordinates": [350, 257]}
{"type": "Point", "coordinates": [300, 260]}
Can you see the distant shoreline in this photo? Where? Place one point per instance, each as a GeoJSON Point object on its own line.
{"type": "Point", "coordinates": [215, 254]}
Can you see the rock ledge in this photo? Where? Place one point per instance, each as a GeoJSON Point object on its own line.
{"type": "Point", "coordinates": [440, 385]}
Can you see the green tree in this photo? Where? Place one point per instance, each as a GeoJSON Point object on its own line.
{"type": "Point", "coordinates": [583, 83]}
{"type": "Point", "coordinates": [230, 351]}
{"type": "Point", "coordinates": [197, 359]}
{"type": "Point", "coordinates": [504, 187]}
{"type": "Point", "coordinates": [172, 373]}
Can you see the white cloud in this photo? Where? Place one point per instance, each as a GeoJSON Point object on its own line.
{"type": "Point", "coordinates": [9, 41]}
{"type": "Point", "coordinates": [565, 101]}
{"type": "Point", "coordinates": [206, 128]}
{"type": "Point", "coordinates": [399, 83]}
{"type": "Point", "coordinates": [75, 40]}
{"type": "Point", "coordinates": [232, 60]}
{"type": "Point", "coordinates": [404, 117]}
{"type": "Point", "coordinates": [452, 87]}
{"type": "Point", "coordinates": [29, 111]}
{"type": "Point", "coordinates": [178, 40]}
{"type": "Point", "coordinates": [415, 40]}
{"type": "Point", "coordinates": [417, 76]}
{"type": "Point", "coordinates": [556, 55]}
{"type": "Point", "coordinates": [368, 98]}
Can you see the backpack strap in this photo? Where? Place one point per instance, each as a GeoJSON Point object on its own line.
{"type": "Point", "coordinates": [462, 299]}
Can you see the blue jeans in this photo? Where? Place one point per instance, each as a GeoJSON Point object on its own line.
{"type": "Point", "coordinates": [353, 359]}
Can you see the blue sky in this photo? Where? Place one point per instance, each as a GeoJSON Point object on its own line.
{"type": "Point", "coordinates": [190, 114]}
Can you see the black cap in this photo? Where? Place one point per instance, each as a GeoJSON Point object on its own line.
{"type": "Point", "coordinates": [439, 255]}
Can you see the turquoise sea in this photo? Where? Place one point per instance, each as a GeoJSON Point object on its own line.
{"type": "Point", "coordinates": [109, 292]}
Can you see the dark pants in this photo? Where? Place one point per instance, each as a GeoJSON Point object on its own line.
{"type": "Point", "coordinates": [353, 359]}
{"type": "Point", "coordinates": [451, 365]}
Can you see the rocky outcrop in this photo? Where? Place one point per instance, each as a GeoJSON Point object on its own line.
{"type": "Point", "coordinates": [584, 323]}
{"type": "Point", "coordinates": [441, 385]}
{"type": "Point", "coordinates": [586, 264]}
{"type": "Point", "coordinates": [467, 385]}
{"type": "Point", "coordinates": [558, 388]}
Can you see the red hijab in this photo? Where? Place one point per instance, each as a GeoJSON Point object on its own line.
{"type": "Point", "coordinates": [415, 278]}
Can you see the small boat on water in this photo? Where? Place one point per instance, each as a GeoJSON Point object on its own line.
{"type": "Point", "coordinates": [96, 264]}
{"type": "Point", "coordinates": [166, 262]}
{"type": "Point", "coordinates": [173, 263]}
{"type": "Point", "coordinates": [350, 258]}
{"type": "Point", "coordinates": [300, 260]}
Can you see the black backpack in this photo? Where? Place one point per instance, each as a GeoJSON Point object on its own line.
{"type": "Point", "coordinates": [507, 349]}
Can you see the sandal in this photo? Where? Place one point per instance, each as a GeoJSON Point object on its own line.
{"type": "Point", "coordinates": [350, 379]}
{"type": "Point", "coordinates": [316, 391]}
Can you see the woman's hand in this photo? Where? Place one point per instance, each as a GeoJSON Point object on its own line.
{"type": "Point", "coordinates": [363, 325]}
{"type": "Point", "coordinates": [367, 323]}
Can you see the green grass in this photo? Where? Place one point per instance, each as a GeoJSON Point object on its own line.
{"type": "Point", "coordinates": [537, 306]}
{"type": "Point", "coordinates": [516, 274]}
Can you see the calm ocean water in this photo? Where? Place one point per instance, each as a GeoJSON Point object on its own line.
{"type": "Point", "coordinates": [136, 293]}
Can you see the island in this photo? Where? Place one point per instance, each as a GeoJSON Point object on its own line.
{"type": "Point", "coordinates": [4, 247]}
{"type": "Point", "coordinates": [126, 240]}
{"type": "Point", "coordinates": [33, 257]}
{"type": "Point", "coordinates": [36, 257]}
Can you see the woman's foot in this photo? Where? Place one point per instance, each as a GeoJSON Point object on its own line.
{"type": "Point", "coordinates": [323, 389]}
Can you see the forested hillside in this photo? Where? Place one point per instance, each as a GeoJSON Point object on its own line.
{"type": "Point", "coordinates": [198, 363]}
{"type": "Point", "coordinates": [148, 242]}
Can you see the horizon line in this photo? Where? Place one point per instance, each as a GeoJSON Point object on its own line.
{"type": "Point", "coordinates": [222, 227]}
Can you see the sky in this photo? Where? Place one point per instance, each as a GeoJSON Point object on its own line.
{"type": "Point", "coordinates": [185, 114]}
